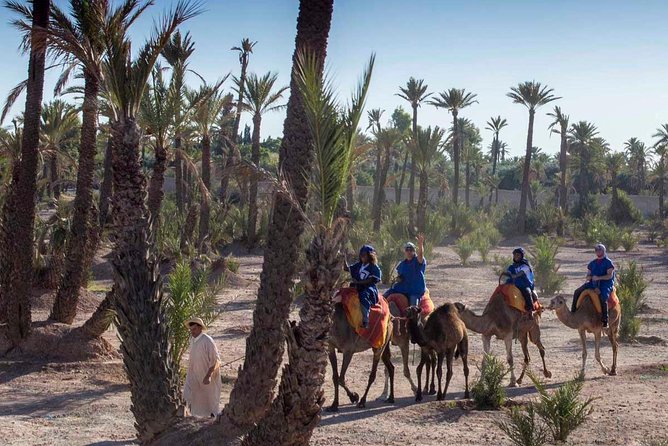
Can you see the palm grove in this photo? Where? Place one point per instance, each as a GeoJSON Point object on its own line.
{"type": "Point", "coordinates": [94, 162]}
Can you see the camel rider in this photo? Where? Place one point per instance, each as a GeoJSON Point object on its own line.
{"type": "Point", "coordinates": [411, 280]}
{"type": "Point", "coordinates": [601, 276]}
{"type": "Point", "coordinates": [520, 274]}
{"type": "Point", "coordinates": [365, 275]}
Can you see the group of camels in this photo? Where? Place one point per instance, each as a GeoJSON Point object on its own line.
{"type": "Point", "coordinates": [443, 335]}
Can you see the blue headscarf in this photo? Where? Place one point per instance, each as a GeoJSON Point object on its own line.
{"type": "Point", "coordinates": [367, 249]}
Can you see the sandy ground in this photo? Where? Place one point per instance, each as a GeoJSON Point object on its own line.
{"type": "Point", "coordinates": [88, 403]}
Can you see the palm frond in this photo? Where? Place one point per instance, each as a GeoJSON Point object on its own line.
{"type": "Point", "coordinates": [13, 95]}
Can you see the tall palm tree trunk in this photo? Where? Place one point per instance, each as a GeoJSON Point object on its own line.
{"type": "Point", "coordinates": [205, 206]}
{"type": "Point", "coordinates": [252, 199]}
{"type": "Point", "coordinates": [106, 188]}
{"type": "Point", "coordinates": [296, 411]}
{"type": "Point", "coordinates": [411, 179]}
{"type": "Point", "coordinates": [18, 217]}
{"type": "Point", "coordinates": [422, 201]}
{"type": "Point", "coordinates": [156, 184]}
{"type": "Point", "coordinates": [138, 299]}
{"type": "Point", "coordinates": [380, 199]}
{"type": "Point", "coordinates": [563, 166]}
{"type": "Point", "coordinates": [455, 156]}
{"type": "Point", "coordinates": [265, 344]}
{"type": "Point", "coordinates": [399, 191]}
{"type": "Point", "coordinates": [178, 175]}
{"type": "Point", "coordinates": [65, 305]}
{"type": "Point", "coordinates": [467, 183]}
{"type": "Point", "coordinates": [522, 214]}
{"type": "Point", "coordinates": [495, 159]}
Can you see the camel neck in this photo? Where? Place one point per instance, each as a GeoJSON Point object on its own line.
{"type": "Point", "coordinates": [473, 322]}
{"type": "Point", "coordinates": [416, 331]}
{"type": "Point", "coordinates": [566, 317]}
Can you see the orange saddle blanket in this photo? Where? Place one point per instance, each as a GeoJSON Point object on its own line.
{"type": "Point", "coordinates": [401, 301]}
{"type": "Point", "coordinates": [613, 300]}
{"type": "Point", "coordinates": [513, 297]}
{"type": "Point", "coordinates": [379, 318]}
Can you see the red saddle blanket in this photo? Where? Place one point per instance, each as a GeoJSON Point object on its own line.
{"type": "Point", "coordinates": [513, 297]}
{"type": "Point", "coordinates": [379, 317]}
{"type": "Point", "coordinates": [401, 301]}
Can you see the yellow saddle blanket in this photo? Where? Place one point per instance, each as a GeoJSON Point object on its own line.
{"type": "Point", "coordinates": [613, 300]}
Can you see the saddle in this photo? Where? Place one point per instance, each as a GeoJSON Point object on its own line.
{"type": "Point", "coordinates": [514, 299]}
{"type": "Point", "coordinates": [379, 317]}
{"type": "Point", "coordinates": [401, 301]}
{"type": "Point", "coordinates": [592, 294]}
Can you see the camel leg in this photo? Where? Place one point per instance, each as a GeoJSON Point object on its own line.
{"type": "Point", "coordinates": [405, 352]}
{"type": "Point", "coordinates": [535, 338]}
{"type": "Point", "coordinates": [583, 339]}
{"type": "Point", "coordinates": [448, 376]}
{"type": "Point", "coordinates": [439, 370]}
{"type": "Point", "coordinates": [335, 379]}
{"type": "Point", "coordinates": [597, 351]}
{"type": "Point", "coordinates": [509, 358]}
{"type": "Point", "coordinates": [463, 352]}
{"type": "Point", "coordinates": [372, 378]}
{"type": "Point", "coordinates": [486, 347]}
{"type": "Point", "coordinates": [524, 342]}
{"type": "Point", "coordinates": [389, 370]}
{"type": "Point", "coordinates": [418, 372]}
{"type": "Point", "coordinates": [432, 387]}
{"type": "Point", "coordinates": [347, 357]}
{"type": "Point", "coordinates": [612, 335]}
{"type": "Point", "coordinates": [428, 364]}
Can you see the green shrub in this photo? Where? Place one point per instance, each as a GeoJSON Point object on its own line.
{"type": "Point", "coordinates": [631, 287]}
{"type": "Point", "coordinates": [488, 392]}
{"type": "Point", "coordinates": [189, 294]}
{"type": "Point", "coordinates": [464, 248]}
{"type": "Point", "coordinates": [543, 256]}
{"type": "Point", "coordinates": [523, 427]}
{"type": "Point", "coordinates": [597, 230]}
{"type": "Point", "coordinates": [629, 241]}
{"type": "Point", "coordinates": [562, 410]}
{"type": "Point", "coordinates": [544, 219]}
{"type": "Point", "coordinates": [482, 245]}
{"type": "Point", "coordinates": [462, 219]}
{"type": "Point", "coordinates": [500, 264]}
{"type": "Point", "coordinates": [233, 264]}
{"type": "Point", "coordinates": [622, 211]}
{"type": "Point", "coordinates": [435, 231]}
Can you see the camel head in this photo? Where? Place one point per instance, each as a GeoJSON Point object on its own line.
{"type": "Point", "coordinates": [557, 302]}
{"type": "Point", "coordinates": [413, 313]}
{"type": "Point", "coordinates": [460, 307]}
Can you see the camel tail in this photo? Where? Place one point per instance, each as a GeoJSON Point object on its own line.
{"type": "Point", "coordinates": [457, 352]}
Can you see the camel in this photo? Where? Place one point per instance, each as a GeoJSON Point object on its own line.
{"type": "Point", "coordinates": [401, 338]}
{"type": "Point", "coordinates": [443, 334]}
{"type": "Point", "coordinates": [342, 337]}
{"type": "Point", "coordinates": [506, 323]}
{"type": "Point", "coordinates": [587, 319]}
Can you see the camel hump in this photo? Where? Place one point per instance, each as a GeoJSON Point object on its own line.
{"type": "Point", "coordinates": [593, 296]}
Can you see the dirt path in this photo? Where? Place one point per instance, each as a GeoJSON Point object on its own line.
{"type": "Point", "coordinates": [77, 404]}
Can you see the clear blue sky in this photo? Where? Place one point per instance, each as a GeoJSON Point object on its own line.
{"type": "Point", "coordinates": [606, 58]}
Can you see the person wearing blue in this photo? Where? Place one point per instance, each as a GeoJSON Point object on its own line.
{"type": "Point", "coordinates": [520, 274]}
{"type": "Point", "coordinates": [601, 276]}
{"type": "Point", "coordinates": [365, 275]}
{"type": "Point", "coordinates": [411, 280]}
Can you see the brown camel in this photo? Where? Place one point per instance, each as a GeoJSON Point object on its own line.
{"type": "Point", "coordinates": [401, 338]}
{"type": "Point", "coordinates": [587, 319]}
{"type": "Point", "coordinates": [506, 323]}
{"type": "Point", "coordinates": [443, 334]}
{"type": "Point", "coordinates": [342, 337]}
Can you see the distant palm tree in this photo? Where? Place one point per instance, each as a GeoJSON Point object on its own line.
{"type": "Point", "coordinates": [428, 144]}
{"type": "Point", "coordinates": [454, 100]}
{"type": "Point", "coordinates": [495, 125]}
{"type": "Point", "coordinates": [18, 216]}
{"type": "Point", "coordinates": [60, 123]}
{"type": "Point", "coordinates": [615, 163]}
{"type": "Point", "coordinates": [532, 95]}
{"type": "Point", "coordinates": [660, 174]}
{"type": "Point", "coordinates": [560, 127]}
{"type": "Point", "coordinates": [415, 93]}
{"type": "Point", "coordinates": [261, 98]}
{"type": "Point", "coordinates": [375, 116]}
{"type": "Point", "coordinates": [154, 378]}
{"type": "Point", "coordinates": [387, 140]}
{"type": "Point", "coordinates": [638, 154]}
{"type": "Point", "coordinates": [503, 150]}
{"type": "Point", "coordinates": [583, 141]}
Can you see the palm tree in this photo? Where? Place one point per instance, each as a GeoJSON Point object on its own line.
{"type": "Point", "coordinates": [415, 93]}
{"type": "Point", "coordinates": [581, 138]}
{"type": "Point", "coordinates": [260, 99]}
{"type": "Point", "coordinates": [387, 140]}
{"type": "Point", "coordinates": [454, 100]}
{"type": "Point", "coordinates": [615, 163]}
{"type": "Point", "coordinates": [532, 95]}
{"type": "Point", "coordinates": [660, 174]}
{"type": "Point", "coordinates": [503, 150]}
{"type": "Point", "coordinates": [297, 409]}
{"type": "Point", "coordinates": [177, 52]}
{"type": "Point", "coordinates": [265, 344]}
{"type": "Point", "coordinates": [60, 123]}
{"type": "Point", "coordinates": [638, 154]}
{"type": "Point", "coordinates": [207, 104]}
{"type": "Point", "coordinates": [375, 116]}
{"type": "Point", "coordinates": [495, 125]}
{"type": "Point", "coordinates": [18, 216]}
{"type": "Point", "coordinates": [427, 145]}
{"type": "Point", "coordinates": [560, 126]}
{"type": "Point", "coordinates": [154, 378]}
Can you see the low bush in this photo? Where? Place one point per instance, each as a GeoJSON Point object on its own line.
{"type": "Point", "coordinates": [543, 256]}
{"type": "Point", "coordinates": [233, 264]}
{"type": "Point", "coordinates": [500, 264]}
{"type": "Point", "coordinates": [524, 428]}
{"type": "Point", "coordinates": [629, 241]}
{"type": "Point", "coordinates": [598, 230]}
{"type": "Point", "coordinates": [545, 219]}
{"type": "Point", "coordinates": [563, 410]}
{"type": "Point", "coordinates": [464, 248]}
{"type": "Point", "coordinates": [489, 392]}
{"type": "Point", "coordinates": [631, 287]}
{"type": "Point", "coordinates": [622, 210]}
{"type": "Point", "coordinates": [462, 219]}
{"type": "Point", "coordinates": [482, 245]}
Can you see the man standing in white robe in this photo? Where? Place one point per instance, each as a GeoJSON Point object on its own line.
{"type": "Point", "coordinates": [203, 384]}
